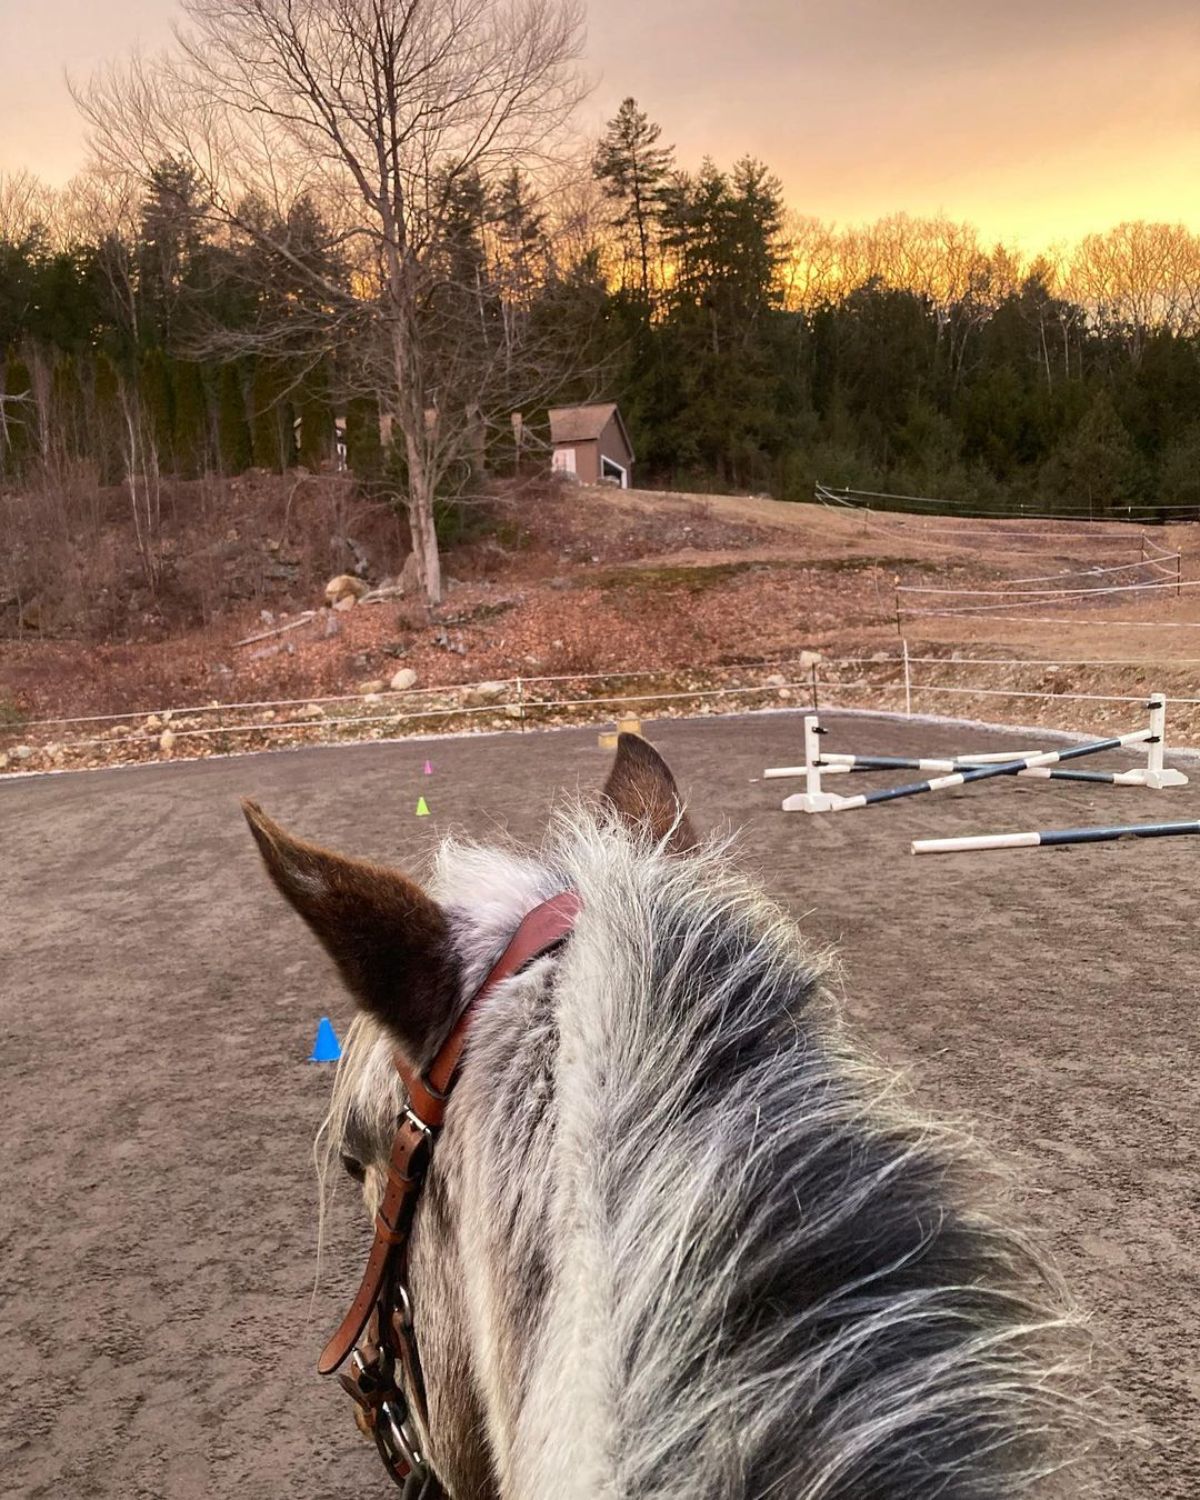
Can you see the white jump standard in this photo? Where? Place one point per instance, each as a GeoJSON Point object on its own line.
{"type": "Point", "coordinates": [1049, 838]}
{"type": "Point", "coordinates": [962, 769]}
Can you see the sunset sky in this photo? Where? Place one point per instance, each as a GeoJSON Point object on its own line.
{"type": "Point", "coordinates": [1036, 119]}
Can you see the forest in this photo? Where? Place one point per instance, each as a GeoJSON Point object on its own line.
{"type": "Point", "coordinates": [751, 348]}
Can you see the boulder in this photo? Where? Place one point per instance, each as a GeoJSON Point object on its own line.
{"type": "Point", "coordinates": [166, 741]}
{"type": "Point", "coordinates": [23, 752]}
{"type": "Point", "coordinates": [311, 711]}
{"type": "Point", "coordinates": [373, 688]}
{"type": "Point", "coordinates": [348, 602]}
{"type": "Point", "coordinates": [810, 659]}
{"type": "Point", "coordinates": [776, 680]}
{"type": "Point", "coordinates": [487, 692]}
{"type": "Point", "coordinates": [344, 586]}
{"type": "Point", "coordinates": [404, 679]}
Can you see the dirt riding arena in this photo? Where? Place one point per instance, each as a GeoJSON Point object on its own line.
{"type": "Point", "coordinates": [158, 1004]}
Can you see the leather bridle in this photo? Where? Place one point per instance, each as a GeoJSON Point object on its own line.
{"type": "Point", "coordinates": [385, 1372]}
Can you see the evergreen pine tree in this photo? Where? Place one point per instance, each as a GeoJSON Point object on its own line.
{"type": "Point", "coordinates": [271, 418]}
{"type": "Point", "coordinates": [364, 451]}
{"type": "Point", "coordinates": [191, 428]}
{"type": "Point", "coordinates": [635, 171]}
{"type": "Point", "coordinates": [233, 428]}
{"type": "Point", "coordinates": [19, 439]}
{"type": "Point", "coordinates": [107, 420]}
{"type": "Point", "coordinates": [316, 422]}
{"type": "Point", "coordinates": [158, 404]}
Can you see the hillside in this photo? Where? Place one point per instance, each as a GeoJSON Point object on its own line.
{"type": "Point", "coordinates": [553, 583]}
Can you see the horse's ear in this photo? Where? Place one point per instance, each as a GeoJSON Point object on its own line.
{"type": "Point", "coordinates": [642, 790]}
{"type": "Point", "coordinates": [388, 938]}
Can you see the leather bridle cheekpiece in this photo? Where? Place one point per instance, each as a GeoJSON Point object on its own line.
{"type": "Point", "coordinates": [385, 1371]}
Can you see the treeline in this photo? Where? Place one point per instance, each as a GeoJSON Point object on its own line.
{"type": "Point", "coordinates": [116, 349]}
{"type": "Point", "coordinates": [764, 352]}
{"type": "Point", "coordinates": [750, 349]}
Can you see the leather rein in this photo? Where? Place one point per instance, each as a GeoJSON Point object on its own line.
{"type": "Point", "coordinates": [385, 1371]}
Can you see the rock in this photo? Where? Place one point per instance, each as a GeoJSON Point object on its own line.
{"type": "Point", "coordinates": [153, 724]}
{"type": "Point", "coordinates": [266, 617]}
{"type": "Point", "coordinates": [264, 652]}
{"type": "Point", "coordinates": [333, 626]}
{"type": "Point", "coordinates": [404, 679]}
{"type": "Point", "coordinates": [372, 698]}
{"type": "Point", "coordinates": [373, 688]}
{"type": "Point", "coordinates": [810, 659]}
{"type": "Point", "coordinates": [347, 603]}
{"type": "Point", "coordinates": [776, 680]}
{"type": "Point", "coordinates": [51, 750]}
{"type": "Point", "coordinates": [167, 715]}
{"type": "Point", "coordinates": [23, 752]}
{"type": "Point", "coordinates": [344, 586]}
{"type": "Point", "coordinates": [487, 692]}
{"type": "Point", "coordinates": [785, 694]}
{"type": "Point", "coordinates": [311, 711]}
{"type": "Point", "coordinates": [3, 761]}
{"type": "Point", "coordinates": [514, 710]}
{"type": "Point", "coordinates": [166, 741]}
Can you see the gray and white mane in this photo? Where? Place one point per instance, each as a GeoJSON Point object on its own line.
{"type": "Point", "coordinates": [680, 1239]}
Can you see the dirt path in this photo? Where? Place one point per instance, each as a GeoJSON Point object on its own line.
{"type": "Point", "coordinates": [156, 1007]}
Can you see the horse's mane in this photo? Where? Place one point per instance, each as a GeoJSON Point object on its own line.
{"type": "Point", "coordinates": [759, 1271]}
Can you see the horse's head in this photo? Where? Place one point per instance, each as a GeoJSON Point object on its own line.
{"type": "Point", "coordinates": [412, 957]}
{"type": "Point", "coordinates": [678, 1236]}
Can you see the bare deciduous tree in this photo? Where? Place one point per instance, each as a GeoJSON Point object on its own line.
{"type": "Point", "coordinates": [1137, 277]}
{"type": "Point", "coordinates": [381, 111]}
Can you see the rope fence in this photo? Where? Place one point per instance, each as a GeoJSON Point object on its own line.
{"type": "Point", "coordinates": [895, 680]}
{"type": "Point", "coordinates": [927, 504]}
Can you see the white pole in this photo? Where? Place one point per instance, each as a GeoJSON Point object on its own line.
{"type": "Point", "coordinates": [907, 681]}
{"type": "Point", "coordinates": [977, 841]}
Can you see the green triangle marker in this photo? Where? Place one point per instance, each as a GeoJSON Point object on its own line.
{"type": "Point", "coordinates": [422, 808]}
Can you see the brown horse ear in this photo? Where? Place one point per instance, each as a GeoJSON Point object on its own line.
{"type": "Point", "coordinates": [643, 793]}
{"type": "Point", "coordinates": [388, 938]}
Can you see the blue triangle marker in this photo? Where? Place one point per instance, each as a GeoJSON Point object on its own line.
{"type": "Point", "coordinates": [326, 1047]}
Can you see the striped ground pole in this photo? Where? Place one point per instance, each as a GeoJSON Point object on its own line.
{"type": "Point", "coordinates": [1054, 836]}
{"type": "Point", "coordinates": [985, 773]}
{"type": "Point", "coordinates": [859, 763]}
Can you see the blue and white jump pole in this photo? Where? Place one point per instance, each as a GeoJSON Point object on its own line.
{"type": "Point", "coordinates": [967, 768]}
{"type": "Point", "coordinates": [1049, 838]}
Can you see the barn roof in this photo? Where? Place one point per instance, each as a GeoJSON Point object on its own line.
{"type": "Point", "coordinates": [584, 424]}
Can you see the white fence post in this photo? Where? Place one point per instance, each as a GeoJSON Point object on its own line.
{"type": "Point", "coordinates": [907, 682]}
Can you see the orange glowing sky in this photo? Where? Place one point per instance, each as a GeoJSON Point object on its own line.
{"type": "Point", "coordinates": [1036, 119]}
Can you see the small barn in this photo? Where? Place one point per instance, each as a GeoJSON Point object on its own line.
{"type": "Point", "coordinates": [591, 444]}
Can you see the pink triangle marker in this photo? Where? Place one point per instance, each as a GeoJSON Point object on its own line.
{"type": "Point", "coordinates": [428, 769]}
